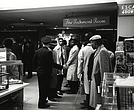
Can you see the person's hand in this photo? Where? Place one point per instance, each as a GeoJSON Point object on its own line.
{"type": "Point", "coordinates": [65, 67]}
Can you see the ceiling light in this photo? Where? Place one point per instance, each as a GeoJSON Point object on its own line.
{"type": "Point", "coordinates": [22, 19]}
{"type": "Point", "coordinates": [41, 23]}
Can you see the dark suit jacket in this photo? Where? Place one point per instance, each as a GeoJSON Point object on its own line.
{"type": "Point", "coordinates": [43, 61]}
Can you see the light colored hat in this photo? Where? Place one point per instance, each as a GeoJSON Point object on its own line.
{"type": "Point", "coordinates": [95, 37]}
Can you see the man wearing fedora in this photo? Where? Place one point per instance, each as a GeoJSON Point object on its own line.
{"type": "Point", "coordinates": [101, 64]}
{"type": "Point", "coordinates": [43, 63]}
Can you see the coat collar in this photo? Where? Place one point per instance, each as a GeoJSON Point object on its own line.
{"type": "Point", "coordinates": [98, 50]}
{"type": "Point", "coordinates": [89, 44]}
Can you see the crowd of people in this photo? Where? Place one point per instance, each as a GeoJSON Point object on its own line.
{"type": "Point", "coordinates": [81, 63]}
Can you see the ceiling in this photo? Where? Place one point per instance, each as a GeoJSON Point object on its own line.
{"type": "Point", "coordinates": [51, 17]}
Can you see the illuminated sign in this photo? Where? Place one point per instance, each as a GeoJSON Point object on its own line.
{"type": "Point", "coordinates": [126, 9]}
{"type": "Point", "coordinates": [86, 21]}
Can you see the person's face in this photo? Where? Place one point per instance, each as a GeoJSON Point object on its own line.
{"type": "Point", "coordinates": [72, 43]}
{"type": "Point", "coordinates": [60, 42]}
{"type": "Point", "coordinates": [94, 44]}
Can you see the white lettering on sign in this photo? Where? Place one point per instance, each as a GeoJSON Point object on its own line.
{"type": "Point", "coordinates": [98, 21]}
{"type": "Point", "coordinates": [127, 9]}
{"type": "Point", "coordinates": [67, 21]}
{"type": "Point", "coordinates": [79, 21]}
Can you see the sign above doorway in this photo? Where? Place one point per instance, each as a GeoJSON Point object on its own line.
{"type": "Point", "coordinates": [86, 21]}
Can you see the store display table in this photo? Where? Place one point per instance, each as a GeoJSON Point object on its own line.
{"type": "Point", "coordinates": [128, 82]}
{"type": "Point", "coordinates": [125, 93]}
{"type": "Point", "coordinates": [12, 98]}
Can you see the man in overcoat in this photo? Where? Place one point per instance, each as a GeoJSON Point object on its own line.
{"type": "Point", "coordinates": [72, 64]}
{"type": "Point", "coordinates": [83, 58]}
{"type": "Point", "coordinates": [61, 58]}
{"type": "Point", "coordinates": [101, 64]}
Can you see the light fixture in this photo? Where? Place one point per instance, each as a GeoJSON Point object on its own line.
{"type": "Point", "coordinates": [41, 23]}
{"type": "Point", "coordinates": [22, 19]}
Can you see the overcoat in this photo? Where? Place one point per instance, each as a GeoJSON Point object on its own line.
{"type": "Point", "coordinates": [83, 58]}
{"type": "Point", "coordinates": [72, 64]}
{"type": "Point", "coordinates": [101, 64]}
{"type": "Point", "coordinates": [53, 81]}
{"type": "Point", "coordinates": [58, 53]}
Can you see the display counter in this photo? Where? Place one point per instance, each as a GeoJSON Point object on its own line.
{"type": "Point", "coordinates": [12, 98]}
{"type": "Point", "coordinates": [125, 93]}
{"type": "Point", "coordinates": [128, 82]}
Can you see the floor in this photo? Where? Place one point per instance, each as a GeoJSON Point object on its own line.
{"type": "Point", "coordinates": [67, 102]}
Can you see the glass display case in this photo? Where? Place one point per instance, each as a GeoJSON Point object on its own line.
{"type": "Point", "coordinates": [4, 81]}
{"type": "Point", "coordinates": [14, 69]}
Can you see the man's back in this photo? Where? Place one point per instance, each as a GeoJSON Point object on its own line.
{"type": "Point", "coordinates": [43, 60]}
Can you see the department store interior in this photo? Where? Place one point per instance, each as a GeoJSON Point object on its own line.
{"type": "Point", "coordinates": [112, 19]}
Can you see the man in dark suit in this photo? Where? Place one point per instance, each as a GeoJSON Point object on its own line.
{"type": "Point", "coordinates": [43, 63]}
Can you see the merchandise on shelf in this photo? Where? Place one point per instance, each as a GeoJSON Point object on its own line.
{"type": "Point", "coordinates": [120, 46]}
{"type": "Point", "coordinates": [15, 70]}
{"type": "Point", "coordinates": [129, 45]}
{"type": "Point", "coordinates": [129, 57]}
{"type": "Point", "coordinates": [4, 81]}
{"type": "Point", "coordinates": [121, 68]}
{"type": "Point", "coordinates": [119, 57]}
{"type": "Point", "coordinates": [130, 69]}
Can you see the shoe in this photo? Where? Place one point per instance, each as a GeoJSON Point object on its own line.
{"type": "Point", "coordinates": [71, 92]}
{"type": "Point", "coordinates": [59, 92]}
{"type": "Point", "coordinates": [46, 101]}
{"type": "Point", "coordinates": [90, 108]}
{"type": "Point", "coordinates": [28, 77]}
{"type": "Point", "coordinates": [83, 107]}
{"type": "Point", "coordinates": [52, 99]}
{"type": "Point", "coordinates": [44, 106]}
{"type": "Point", "coordinates": [57, 96]}
{"type": "Point", "coordinates": [82, 103]}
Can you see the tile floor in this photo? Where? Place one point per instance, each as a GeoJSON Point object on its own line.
{"type": "Point", "coordinates": [67, 102]}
